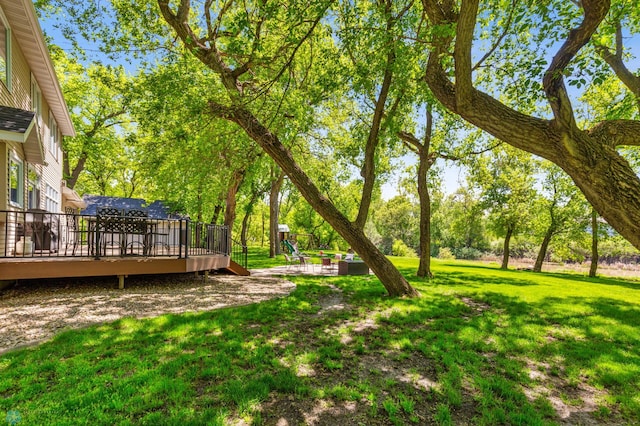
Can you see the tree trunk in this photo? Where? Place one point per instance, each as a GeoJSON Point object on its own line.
{"type": "Point", "coordinates": [238, 113]}
{"type": "Point", "coordinates": [72, 177]}
{"type": "Point", "coordinates": [393, 281]}
{"type": "Point", "coordinates": [593, 269]}
{"type": "Point", "coordinates": [274, 214]}
{"type": "Point", "coordinates": [232, 191]}
{"type": "Point", "coordinates": [505, 254]}
{"type": "Point", "coordinates": [245, 226]}
{"type": "Point", "coordinates": [543, 249]}
{"type": "Point", "coordinates": [247, 214]}
{"type": "Point", "coordinates": [424, 268]}
{"type": "Point", "coordinates": [216, 214]}
{"type": "Point", "coordinates": [368, 171]}
{"type": "Point", "coordinates": [262, 233]}
{"type": "Point", "coordinates": [425, 163]}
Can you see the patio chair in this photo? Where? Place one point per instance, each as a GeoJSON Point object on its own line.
{"type": "Point", "coordinates": [136, 230]}
{"type": "Point", "coordinates": [305, 262]}
{"type": "Point", "coordinates": [77, 233]}
{"type": "Point", "coordinates": [109, 230]}
{"type": "Point", "coordinates": [327, 263]}
{"type": "Point", "coordinates": [160, 231]}
{"type": "Point", "coordinates": [288, 260]}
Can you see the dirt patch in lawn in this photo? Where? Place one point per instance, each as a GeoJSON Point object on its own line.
{"type": "Point", "coordinates": [34, 311]}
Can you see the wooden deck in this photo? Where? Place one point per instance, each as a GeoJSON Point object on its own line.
{"type": "Point", "coordinates": [12, 269]}
{"type": "Point", "coordinates": [36, 245]}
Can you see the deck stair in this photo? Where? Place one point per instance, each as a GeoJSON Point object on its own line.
{"type": "Point", "coordinates": [238, 269]}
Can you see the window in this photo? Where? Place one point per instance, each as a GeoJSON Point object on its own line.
{"type": "Point", "coordinates": [36, 100]}
{"type": "Point", "coordinates": [16, 181]}
{"type": "Point", "coordinates": [53, 136]}
{"type": "Point", "coordinates": [5, 52]}
{"type": "Point", "coordinates": [33, 189]}
{"type": "Point", "coordinates": [52, 199]}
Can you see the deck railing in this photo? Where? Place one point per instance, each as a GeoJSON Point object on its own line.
{"type": "Point", "coordinates": [38, 233]}
{"type": "Point", "coordinates": [239, 253]}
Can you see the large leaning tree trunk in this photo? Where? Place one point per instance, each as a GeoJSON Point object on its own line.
{"type": "Point", "coordinates": [588, 156]}
{"type": "Point", "coordinates": [205, 48]}
{"type": "Point", "coordinates": [390, 277]}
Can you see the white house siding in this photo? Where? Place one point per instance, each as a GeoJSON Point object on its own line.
{"type": "Point", "coordinates": [51, 174]}
{"type": "Point", "coordinates": [20, 95]}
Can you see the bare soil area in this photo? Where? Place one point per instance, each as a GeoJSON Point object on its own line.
{"type": "Point", "coordinates": [34, 311]}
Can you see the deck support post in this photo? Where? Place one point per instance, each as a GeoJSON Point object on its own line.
{"type": "Point", "coordinates": [206, 275]}
{"type": "Point", "coordinates": [121, 282]}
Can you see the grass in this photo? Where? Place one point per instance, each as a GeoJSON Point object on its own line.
{"type": "Point", "coordinates": [481, 346]}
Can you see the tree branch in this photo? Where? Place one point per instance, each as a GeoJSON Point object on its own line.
{"type": "Point", "coordinates": [208, 55]}
{"type": "Point", "coordinates": [507, 27]}
{"type": "Point", "coordinates": [368, 171]}
{"type": "Point", "coordinates": [617, 132]}
{"type": "Point", "coordinates": [316, 21]}
{"type": "Point", "coordinates": [462, 51]}
{"type": "Point", "coordinates": [553, 81]}
{"type": "Point", "coordinates": [614, 60]}
{"type": "Point", "coordinates": [410, 141]}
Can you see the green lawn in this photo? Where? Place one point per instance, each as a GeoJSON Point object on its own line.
{"type": "Point", "coordinates": [481, 346]}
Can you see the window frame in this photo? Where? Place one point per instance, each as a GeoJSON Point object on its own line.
{"type": "Point", "coordinates": [36, 100]}
{"type": "Point", "coordinates": [19, 190]}
{"type": "Point", "coordinates": [37, 185]}
{"type": "Point", "coordinates": [52, 199]}
{"type": "Point", "coordinates": [6, 76]}
{"type": "Point", "coordinates": [54, 138]}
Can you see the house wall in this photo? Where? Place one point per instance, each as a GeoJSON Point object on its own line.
{"type": "Point", "coordinates": [51, 174]}
{"type": "Point", "coordinates": [20, 97]}
{"type": "Point", "coordinates": [4, 176]}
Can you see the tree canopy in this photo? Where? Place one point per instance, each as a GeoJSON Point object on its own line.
{"type": "Point", "coordinates": [339, 82]}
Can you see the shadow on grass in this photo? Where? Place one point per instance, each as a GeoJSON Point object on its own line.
{"type": "Point", "coordinates": [617, 282]}
{"type": "Point", "coordinates": [454, 356]}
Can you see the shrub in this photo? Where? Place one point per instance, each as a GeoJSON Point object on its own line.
{"type": "Point", "coordinates": [399, 248]}
{"type": "Point", "coordinates": [445, 253]}
{"type": "Point", "coordinates": [468, 253]}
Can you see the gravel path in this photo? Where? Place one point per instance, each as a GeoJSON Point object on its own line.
{"type": "Point", "coordinates": [34, 311]}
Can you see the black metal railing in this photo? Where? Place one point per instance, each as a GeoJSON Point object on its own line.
{"type": "Point", "coordinates": [239, 253]}
{"type": "Point", "coordinates": [111, 233]}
